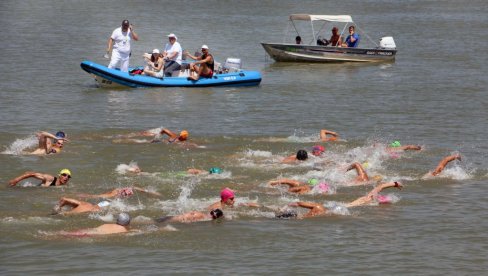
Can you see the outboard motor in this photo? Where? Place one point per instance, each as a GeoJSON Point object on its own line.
{"type": "Point", "coordinates": [232, 64]}
{"type": "Point", "coordinates": [387, 42]}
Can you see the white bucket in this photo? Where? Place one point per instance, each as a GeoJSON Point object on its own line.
{"type": "Point", "coordinates": [387, 42]}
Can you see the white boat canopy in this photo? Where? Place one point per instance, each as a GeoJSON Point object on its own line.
{"type": "Point", "coordinates": [330, 18]}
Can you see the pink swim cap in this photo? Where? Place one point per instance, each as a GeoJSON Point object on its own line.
{"type": "Point", "coordinates": [383, 199]}
{"type": "Point", "coordinates": [323, 187]}
{"type": "Point", "coordinates": [226, 194]}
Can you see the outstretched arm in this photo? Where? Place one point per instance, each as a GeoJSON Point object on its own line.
{"type": "Point", "coordinates": [386, 185]}
{"type": "Point", "coordinates": [168, 132]}
{"type": "Point", "coordinates": [333, 135]}
{"type": "Point", "coordinates": [68, 201]}
{"type": "Point", "coordinates": [406, 147]}
{"type": "Point", "coordinates": [305, 204]}
{"type": "Point", "coordinates": [41, 176]}
{"type": "Point", "coordinates": [444, 163]}
{"type": "Point", "coordinates": [286, 181]}
{"type": "Point", "coordinates": [146, 191]}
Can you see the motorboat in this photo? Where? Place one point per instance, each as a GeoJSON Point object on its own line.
{"type": "Point", "coordinates": [314, 52]}
{"type": "Point", "coordinates": [229, 74]}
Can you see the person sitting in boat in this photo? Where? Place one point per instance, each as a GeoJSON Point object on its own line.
{"type": "Point", "coordinates": [352, 40]}
{"type": "Point", "coordinates": [47, 179]}
{"type": "Point", "coordinates": [172, 56]}
{"type": "Point", "coordinates": [335, 39]}
{"type": "Point", "coordinates": [298, 39]}
{"type": "Point", "coordinates": [155, 65]}
{"type": "Point", "coordinates": [206, 62]}
{"type": "Point", "coordinates": [46, 145]}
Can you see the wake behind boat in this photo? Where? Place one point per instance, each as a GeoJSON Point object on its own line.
{"type": "Point", "coordinates": [315, 52]}
{"type": "Point", "coordinates": [231, 76]}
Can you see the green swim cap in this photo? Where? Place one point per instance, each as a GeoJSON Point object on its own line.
{"type": "Point", "coordinates": [313, 181]}
{"type": "Point", "coordinates": [215, 170]}
{"type": "Point", "coordinates": [395, 144]}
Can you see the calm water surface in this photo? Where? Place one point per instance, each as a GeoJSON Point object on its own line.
{"type": "Point", "coordinates": [434, 95]}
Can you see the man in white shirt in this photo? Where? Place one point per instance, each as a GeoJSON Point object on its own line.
{"type": "Point", "coordinates": [172, 55]}
{"type": "Point", "coordinates": [120, 40]}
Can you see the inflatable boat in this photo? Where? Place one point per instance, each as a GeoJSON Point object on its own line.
{"type": "Point", "coordinates": [107, 77]}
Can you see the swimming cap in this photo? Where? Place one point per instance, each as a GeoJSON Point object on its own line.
{"type": "Point", "coordinates": [323, 187]}
{"type": "Point", "coordinates": [313, 181]}
{"type": "Point", "coordinates": [216, 213]}
{"type": "Point", "coordinates": [226, 194]}
{"type": "Point", "coordinates": [395, 144]}
{"type": "Point", "coordinates": [365, 165]}
{"type": "Point", "coordinates": [65, 171]}
{"type": "Point", "coordinates": [287, 215]}
{"type": "Point", "coordinates": [302, 155]}
{"type": "Point", "coordinates": [383, 199]}
{"type": "Point", "coordinates": [103, 203]}
{"type": "Point", "coordinates": [377, 177]}
{"type": "Point", "coordinates": [184, 134]}
{"type": "Point", "coordinates": [317, 150]}
{"type": "Point", "coordinates": [215, 170]}
{"type": "Point", "coordinates": [126, 191]}
{"type": "Point", "coordinates": [60, 135]}
{"type": "Point", "coordinates": [123, 219]}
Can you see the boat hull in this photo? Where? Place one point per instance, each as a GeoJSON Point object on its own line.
{"type": "Point", "coordinates": [107, 77]}
{"type": "Point", "coordinates": [305, 53]}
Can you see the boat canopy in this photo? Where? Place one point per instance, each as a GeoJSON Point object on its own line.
{"type": "Point", "coordinates": [330, 18]}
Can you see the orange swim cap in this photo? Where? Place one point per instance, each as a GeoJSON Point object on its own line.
{"type": "Point", "coordinates": [184, 134]}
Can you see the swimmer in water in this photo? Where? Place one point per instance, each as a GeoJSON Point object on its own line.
{"type": "Point", "coordinates": [316, 209]}
{"type": "Point", "coordinates": [121, 193]}
{"type": "Point", "coordinates": [301, 155]}
{"type": "Point", "coordinates": [375, 196]}
{"type": "Point", "coordinates": [443, 164]}
{"type": "Point", "coordinates": [47, 180]}
{"type": "Point", "coordinates": [193, 216]}
{"type": "Point", "coordinates": [396, 146]}
{"type": "Point", "coordinates": [213, 170]}
{"type": "Point", "coordinates": [173, 138]}
{"type": "Point", "coordinates": [227, 199]}
{"type": "Point", "coordinates": [299, 187]}
{"type": "Point", "coordinates": [362, 175]}
{"type": "Point", "coordinates": [49, 143]}
{"type": "Point", "coordinates": [121, 226]}
{"type": "Point", "coordinates": [77, 206]}
{"type": "Point", "coordinates": [318, 150]}
{"type": "Point", "coordinates": [328, 136]}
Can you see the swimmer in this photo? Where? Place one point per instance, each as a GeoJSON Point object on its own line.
{"type": "Point", "coordinates": [46, 145]}
{"type": "Point", "coordinates": [397, 146]}
{"type": "Point", "coordinates": [298, 187]}
{"type": "Point", "coordinates": [213, 170]}
{"type": "Point", "coordinates": [121, 192]}
{"type": "Point", "coordinates": [121, 226]}
{"type": "Point", "coordinates": [301, 155]}
{"type": "Point", "coordinates": [77, 206]}
{"type": "Point", "coordinates": [317, 150]}
{"type": "Point", "coordinates": [316, 209]}
{"type": "Point", "coordinates": [227, 198]}
{"type": "Point", "coordinates": [374, 195]}
{"type": "Point", "coordinates": [332, 136]}
{"type": "Point", "coordinates": [362, 175]}
{"type": "Point", "coordinates": [47, 179]}
{"type": "Point", "coordinates": [443, 164]}
{"type": "Point", "coordinates": [181, 139]}
{"type": "Point", "coordinates": [193, 216]}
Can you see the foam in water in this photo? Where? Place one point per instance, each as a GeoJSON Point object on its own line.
{"type": "Point", "coordinates": [131, 168]}
{"type": "Point", "coordinates": [19, 145]}
{"type": "Point", "coordinates": [337, 208]}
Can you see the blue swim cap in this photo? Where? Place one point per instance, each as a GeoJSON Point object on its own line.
{"type": "Point", "coordinates": [215, 170]}
{"type": "Point", "coordinates": [60, 134]}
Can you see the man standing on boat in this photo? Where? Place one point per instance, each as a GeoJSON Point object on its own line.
{"type": "Point", "coordinates": [119, 44]}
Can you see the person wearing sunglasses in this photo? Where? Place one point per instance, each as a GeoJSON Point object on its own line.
{"type": "Point", "coordinates": [227, 199]}
{"type": "Point", "coordinates": [49, 143]}
{"type": "Point", "coordinates": [203, 65]}
{"type": "Point", "coordinates": [47, 180]}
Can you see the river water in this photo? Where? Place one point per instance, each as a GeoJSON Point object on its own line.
{"type": "Point", "coordinates": [433, 95]}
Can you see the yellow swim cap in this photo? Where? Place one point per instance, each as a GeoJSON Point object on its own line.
{"type": "Point", "coordinates": [65, 171]}
{"type": "Point", "coordinates": [378, 177]}
{"type": "Point", "coordinates": [184, 134]}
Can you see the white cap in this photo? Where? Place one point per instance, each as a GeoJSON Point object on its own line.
{"type": "Point", "coordinates": [155, 51]}
{"type": "Point", "coordinates": [172, 35]}
{"type": "Point", "coordinates": [204, 46]}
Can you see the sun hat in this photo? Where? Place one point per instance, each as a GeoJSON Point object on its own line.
{"type": "Point", "coordinates": [172, 35]}
{"type": "Point", "coordinates": [155, 51]}
{"type": "Point", "coordinates": [204, 46]}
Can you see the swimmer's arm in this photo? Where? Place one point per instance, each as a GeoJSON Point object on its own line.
{"type": "Point", "coordinates": [444, 163]}
{"type": "Point", "coordinates": [383, 186]}
{"type": "Point", "coordinates": [146, 191]}
{"type": "Point", "coordinates": [168, 132]}
{"type": "Point", "coordinates": [250, 204]}
{"type": "Point", "coordinates": [286, 181]}
{"type": "Point", "coordinates": [304, 204]}
{"type": "Point", "coordinates": [196, 171]}
{"type": "Point", "coordinates": [41, 176]}
{"type": "Point", "coordinates": [289, 159]}
{"type": "Point", "coordinates": [324, 132]}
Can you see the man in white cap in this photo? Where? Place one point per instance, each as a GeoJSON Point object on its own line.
{"type": "Point", "coordinates": [172, 55]}
{"type": "Point", "coordinates": [206, 62]}
{"type": "Point", "coordinates": [120, 42]}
